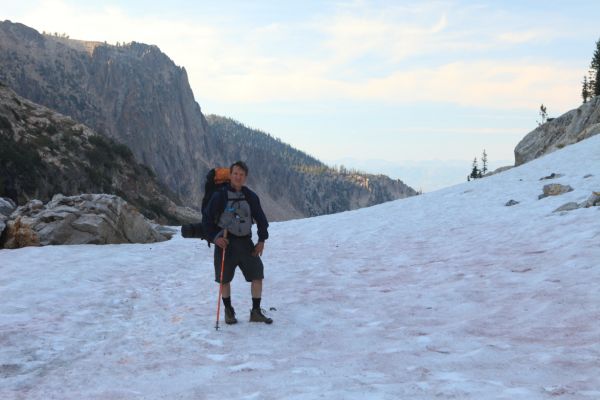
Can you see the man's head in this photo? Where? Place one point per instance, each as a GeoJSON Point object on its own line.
{"type": "Point", "coordinates": [238, 172]}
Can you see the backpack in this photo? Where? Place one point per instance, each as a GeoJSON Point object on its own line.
{"type": "Point", "coordinates": [216, 178]}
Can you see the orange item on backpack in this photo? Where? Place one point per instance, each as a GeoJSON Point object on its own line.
{"type": "Point", "coordinates": [221, 175]}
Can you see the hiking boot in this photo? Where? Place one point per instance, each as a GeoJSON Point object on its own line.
{"type": "Point", "coordinates": [256, 315]}
{"type": "Point", "coordinates": [230, 316]}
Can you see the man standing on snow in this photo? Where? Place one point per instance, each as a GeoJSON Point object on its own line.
{"type": "Point", "coordinates": [235, 208]}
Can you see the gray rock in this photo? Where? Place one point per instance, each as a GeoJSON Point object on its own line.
{"type": "Point", "coordinates": [166, 231]}
{"type": "Point", "coordinates": [569, 128]}
{"type": "Point", "coordinates": [567, 207]}
{"type": "Point", "coordinates": [555, 189]}
{"type": "Point", "coordinates": [588, 176]}
{"type": "Point", "coordinates": [7, 206]}
{"type": "Point", "coordinates": [511, 203]}
{"type": "Point", "coordinates": [83, 219]}
{"type": "Point", "coordinates": [592, 201]}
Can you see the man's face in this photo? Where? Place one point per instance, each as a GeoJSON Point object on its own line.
{"type": "Point", "coordinates": [237, 177]}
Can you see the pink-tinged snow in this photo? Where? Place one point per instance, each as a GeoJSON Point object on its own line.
{"type": "Point", "coordinates": [448, 295]}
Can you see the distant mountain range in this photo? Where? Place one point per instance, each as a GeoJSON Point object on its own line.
{"type": "Point", "coordinates": [295, 180]}
{"type": "Point", "coordinates": [135, 95]}
{"type": "Point", "coordinates": [425, 175]}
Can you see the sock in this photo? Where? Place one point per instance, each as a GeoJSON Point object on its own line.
{"type": "Point", "coordinates": [256, 303]}
{"type": "Point", "coordinates": [227, 302]}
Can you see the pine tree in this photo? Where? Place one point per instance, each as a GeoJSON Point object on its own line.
{"type": "Point", "coordinates": [595, 66]}
{"type": "Point", "coordinates": [475, 172]}
{"type": "Point", "coordinates": [585, 93]}
{"type": "Point", "coordinates": [591, 82]}
{"type": "Point", "coordinates": [484, 161]}
{"type": "Point", "coordinates": [543, 114]}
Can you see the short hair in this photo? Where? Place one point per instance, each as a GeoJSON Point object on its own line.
{"type": "Point", "coordinates": [239, 164]}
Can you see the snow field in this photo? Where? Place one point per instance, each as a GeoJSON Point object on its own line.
{"type": "Point", "coordinates": [446, 295]}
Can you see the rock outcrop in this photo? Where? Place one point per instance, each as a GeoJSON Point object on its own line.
{"type": "Point", "coordinates": [569, 128]}
{"type": "Point", "coordinates": [43, 153]}
{"type": "Point", "coordinates": [83, 219]}
{"type": "Point", "coordinates": [132, 93]}
{"type": "Point", "coordinates": [7, 206]}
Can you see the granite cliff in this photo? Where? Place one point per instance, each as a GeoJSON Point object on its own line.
{"type": "Point", "coordinates": [135, 95]}
{"type": "Point", "coordinates": [43, 153]}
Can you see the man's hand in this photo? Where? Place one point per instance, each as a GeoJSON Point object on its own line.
{"type": "Point", "coordinates": [258, 249]}
{"type": "Point", "coordinates": [221, 242]}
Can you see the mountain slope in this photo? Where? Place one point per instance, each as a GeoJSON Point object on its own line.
{"type": "Point", "coordinates": [132, 93]}
{"type": "Point", "coordinates": [450, 294]}
{"type": "Point", "coordinates": [136, 95]}
{"type": "Point", "coordinates": [43, 153]}
{"type": "Point", "coordinates": [297, 184]}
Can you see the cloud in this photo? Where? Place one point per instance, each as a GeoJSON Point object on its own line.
{"type": "Point", "coordinates": [526, 36]}
{"type": "Point", "coordinates": [504, 85]}
{"type": "Point", "coordinates": [357, 52]}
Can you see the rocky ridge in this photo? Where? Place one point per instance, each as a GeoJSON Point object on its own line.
{"type": "Point", "coordinates": [569, 128]}
{"type": "Point", "coordinates": [132, 93]}
{"type": "Point", "coordinates": [43, 153]}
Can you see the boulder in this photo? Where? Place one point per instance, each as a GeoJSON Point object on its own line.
{"type": "Point", "coordinates": [567, 207]}
{"type": "Point", "coordinates": [7, 206]}
{"type": "Point", "coordinates": [555, 189]}
{"type": "Point", "coordinates": [511, 203]}
{"type": "Point", "coordinates": [592, 201]}
{"type": "Point", "coordinates": [83, 219]}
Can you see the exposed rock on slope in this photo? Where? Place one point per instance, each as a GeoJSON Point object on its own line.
{"type": "Point", "coordinates": [7, 206]}
{"type": "Point", "coordinates": [84, 219]}
{"type": "Point", "coordinates": [569, 128]}
{"type": "Point", "coordinates": [43, 153]}
{"type": "Point", "coordinates": [132, 93]}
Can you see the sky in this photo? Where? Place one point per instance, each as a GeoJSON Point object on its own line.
{"type": "Point", "coordinates": [460, 298]}
{"type": "Point", "coordinates": [399, 81]}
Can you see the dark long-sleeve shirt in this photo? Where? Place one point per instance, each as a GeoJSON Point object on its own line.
{"type": "Point", "coordinates": [217, 204]}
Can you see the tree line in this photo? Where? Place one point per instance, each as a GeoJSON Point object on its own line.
{"type": "Point", "coordinates": [591, 81]}
{"type": "Point", "coordinates": [590, 85]}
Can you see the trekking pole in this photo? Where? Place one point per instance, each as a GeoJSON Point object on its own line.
{"type": "Point", "coordinates": [221, 283]}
